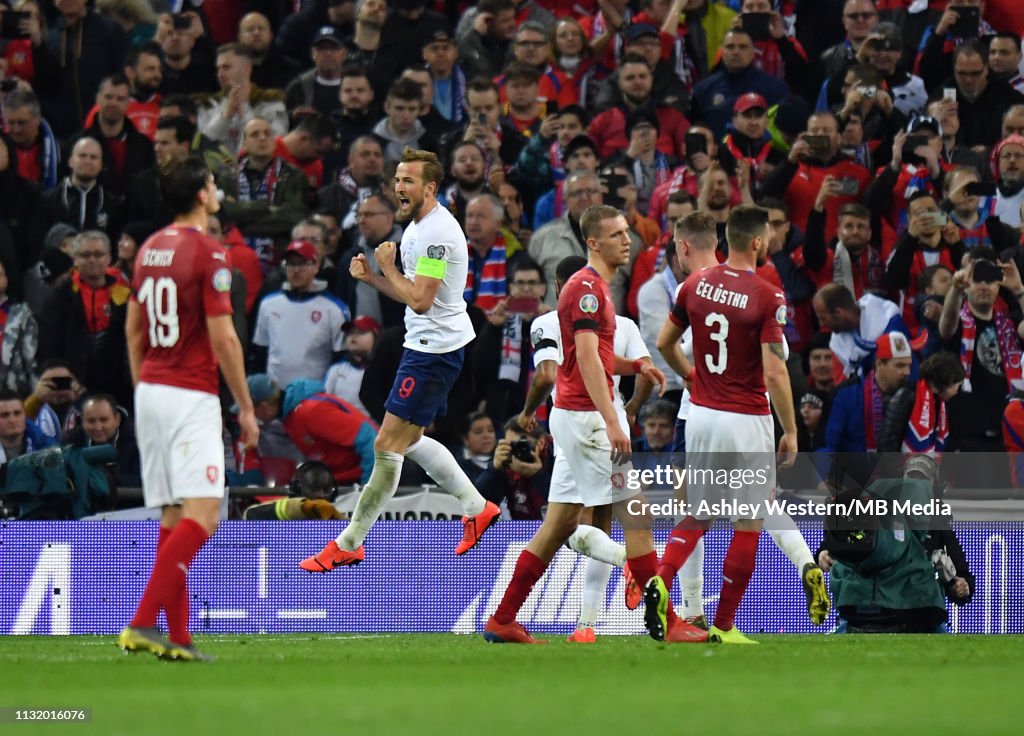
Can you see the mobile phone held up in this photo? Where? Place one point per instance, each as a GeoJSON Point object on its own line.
{"type": "Point", "coordinates": [61, 383]}
{"type": "Point", "coordinates": [980, 189]}
{"type": "Point", "coordinates": [10, 24]}
{"type": "Point", "coordinates": [757, 25]}
{"type": "Point", "coordinates": [523, 305]}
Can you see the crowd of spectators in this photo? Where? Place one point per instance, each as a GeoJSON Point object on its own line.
{"type": "Point", "coordinates": [885, 138]}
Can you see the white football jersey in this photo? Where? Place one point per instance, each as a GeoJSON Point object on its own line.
{"type": "Point", "coordinates": [546, 339]}
{"type": "Point", "coordinates": [435, 240]}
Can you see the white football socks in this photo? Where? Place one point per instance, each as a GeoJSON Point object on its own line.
{"type": "Point", "coordinates": [789, 539]}
{"type": "Point", "coordinates": [691, 582]}
{"type": "Point", "coordinates": [592, 542]}
{"type": "Point", "coordinates": [440, 464]}
{"type": "Point", "coordinates": [595, 587]}
{"type": "Point", "coordinates": [387, 467]}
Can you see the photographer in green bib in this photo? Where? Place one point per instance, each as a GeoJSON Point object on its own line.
{"type": "Point", "coordinates": [893, 556]}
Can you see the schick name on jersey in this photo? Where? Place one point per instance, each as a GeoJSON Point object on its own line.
{"type": "Point", "coordinates": [157, 257]}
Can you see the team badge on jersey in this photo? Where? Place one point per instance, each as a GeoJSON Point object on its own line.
{"type": "Point", "coordinates": [222, 279]}
{"type": "Point", "coordinates": [316, 316]}
{"type": "Point", "coordinates": [780, 315]}
{"type": "Point", "coordinates": [536, 336]}
{"type": "Point", "coordinates": [211, 473]}
{"type": "Point", "coordinates": [436, 252]}
{"type": "Point", "coordinates": [588, 304]}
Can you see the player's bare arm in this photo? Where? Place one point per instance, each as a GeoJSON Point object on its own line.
{"type": "Point", "coordinates": [776, 378]}
{"type": "Point", "coordinates": [417, 294]}
{"type": "Point", "coordinates": [671, 350]}
{"type": "Point", "coordinates": [540, 389]}
{"type": "Point", "coordinates": [135, 335]}
{"type": "Point", "coordinates": [592, 373]}
{"type": "Point", "coordinates": [228, 352]}
{"type": "Point", "coordinates": [642, 390]}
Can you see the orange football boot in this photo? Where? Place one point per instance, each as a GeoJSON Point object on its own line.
{"type": "Point", "coordinates": [332, 556]}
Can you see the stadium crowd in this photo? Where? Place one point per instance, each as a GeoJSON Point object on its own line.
{"type": "Point", "coordinates": [886, 140]}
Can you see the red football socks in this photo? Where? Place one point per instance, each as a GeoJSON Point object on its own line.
{"type": "Point", "coordinates": [167, 582]}
{"type": "Point", "coordinates": [529, 569]}
{"type": "Point", "coordinates": [179, 633]}
{"type": "Point", "coordinates": [643, 567]}
{"type": "Point", "coordinates": [161, 540]}
{"type": "Point", "coordinates": [680, 545]}
{"type": "Point", "coordinates": [736, 572]}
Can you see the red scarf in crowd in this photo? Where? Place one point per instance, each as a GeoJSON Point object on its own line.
{"type": "Point", "coordinates": [927, 429]}
{"type": "Point", "coordinates": [492, 287]}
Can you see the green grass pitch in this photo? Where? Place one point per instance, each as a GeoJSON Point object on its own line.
{"type": "Point", "coordinates": [444, 684]}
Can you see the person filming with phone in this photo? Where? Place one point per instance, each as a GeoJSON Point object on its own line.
{"type": "Point", "coordinates": [815, 155]}
{"type": "Point", "coordinates": [987, 342]}
{"type": "Point", "coordinates": [931, 238]}
{"type": "Point", "coordinates": [53, 404]}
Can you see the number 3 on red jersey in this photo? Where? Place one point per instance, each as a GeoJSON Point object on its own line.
{"type": "Point", "coordinates": [718, 363]}
{"type": "Point", "coordinates": [160, 298]}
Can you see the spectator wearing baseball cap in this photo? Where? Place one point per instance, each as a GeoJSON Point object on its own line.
{"type": "Point", "coordinates": [299, 329]}
{"type": "Point", "coordinates": [440, 54]}
{"type": "Point", "coordinates": [883, 50]}
{"type": "Point", "coordinates": [857, 418]}
{"type": "Point", "coordinates": [657, 49]}
{"type": "Point", "coordinates": [345, 378]}
{"type": "Point", "coordinates": [319, 88]}
{"type": "Point", "coordinates": [812, 418]}
{"type": "Point", "coordinates": [748, 139]}
{"type": "Point", "coordinates": [986, 339]}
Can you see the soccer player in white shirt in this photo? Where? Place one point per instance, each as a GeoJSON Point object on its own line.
{"type": "Point", "coordinates": [435, 259]}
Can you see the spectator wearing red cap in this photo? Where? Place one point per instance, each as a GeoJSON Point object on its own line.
{"type": "Point", "coordinates": [748, 139]}
{"type": "Point", "coordinates": [345, 378]}
{"type": "Point", "coordinates": [857, 418]}
{"type": "Point", "coordinates": [299, 329]}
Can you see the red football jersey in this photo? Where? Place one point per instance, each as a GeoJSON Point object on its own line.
{"type": "Point", "coordinates": [731, 314]}
{"type": "Point", "coordinates": [181, 277]}
{"type": "Point", "coordinates": [585, 305]}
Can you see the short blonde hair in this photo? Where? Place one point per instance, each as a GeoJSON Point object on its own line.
{"type": "Point", "coordinates": [432, 169]}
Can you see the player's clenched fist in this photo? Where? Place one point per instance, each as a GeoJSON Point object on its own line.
{"type": "Point", "coordinates": [384, 254]}
{"type": "Point", "coordinates": [359, 268]}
